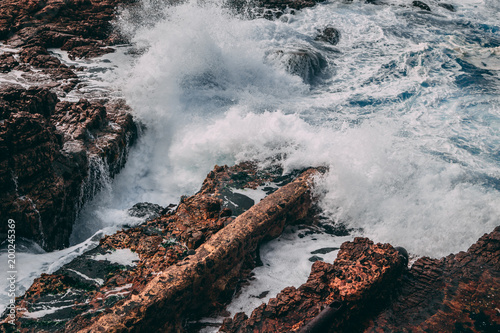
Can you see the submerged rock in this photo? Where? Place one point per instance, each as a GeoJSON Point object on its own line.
{"type": "Point", "coordinates": [421, 5]}
{"type": "Point", "coordinates": [306, 63]}
{"type": "Point", "coordinates": [329, 34]}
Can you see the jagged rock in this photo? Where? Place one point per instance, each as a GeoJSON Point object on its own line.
{"type": "Point", "coordinates": [55, 23]}
{"type": "Point", "coordinates": [187, 262]}
{"type": "Point", "coordinates": [335, 297]}
{"type": "Point", "coordinates": [146, 210]}
{"type": "Point", "coordinates": [284, 4]}
{"type": "Point", "coordinates": [7, 62]}
{"type": "Point", "coordinates": [458, 293]}
{"type": "Point", "coordinates": [48, 151]}
{"type": "Point", "coordinates": [421, 5]}
{"type": "Point", "coordinates": [329, 34]}
{"type": "Point", "coordinates": [367, 290]}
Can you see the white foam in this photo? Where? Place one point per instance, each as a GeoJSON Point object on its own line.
{"type": "Point", "coordinates": [125, 257]}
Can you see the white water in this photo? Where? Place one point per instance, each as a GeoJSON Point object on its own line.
{"type": "Point", "coordinates": [406, 116]}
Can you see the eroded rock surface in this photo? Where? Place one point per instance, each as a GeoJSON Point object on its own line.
{"type": "Point", "coordinates": [341, 294]}
{"type": "Point", "coordinates": [458, 293]}
{"type": "Point", "coordinates": [49, 152]}
{"type": "Point", "coordinates": [367, 290]}
{"type": "Point", "coordinates": [183, 264]}
{"type": "Point", "coordinates": [81, 27]}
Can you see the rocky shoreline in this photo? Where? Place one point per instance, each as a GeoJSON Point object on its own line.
{"type": "Point", "coordinates": [55, 153]}
{"type": "Point", "coordinates": [187, 262]}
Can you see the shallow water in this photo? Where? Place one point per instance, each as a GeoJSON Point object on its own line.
{"type": "Point", "coordinates": [406, 116]}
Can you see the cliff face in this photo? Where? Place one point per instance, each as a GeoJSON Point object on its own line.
{"type": "Point", "coordinates": [49, 152]}
{"type": "Point", "coordinates": [53, 152]}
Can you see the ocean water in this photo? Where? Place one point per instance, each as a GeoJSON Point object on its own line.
{"type": "Point", "coordinates": [404, 111]}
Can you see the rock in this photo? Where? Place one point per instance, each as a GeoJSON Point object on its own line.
{"type": "Point", "coordinates": [458, 293]}
{"type": "Point", "coordinates": [146, 210]}
{"type": "Point", "coordinates": [50, 150]}
{"type": "Point", "coordinates": [368, 289]}
{"type": "Point", "coordinates": [55, 23]}
{"type": "Point", "coordinates": [447, 6]}
{"type": "Point", "coordinates": [7, 62]}
{"type": "Point", "coordinates": [169, 282]}
{"type": "Point", "coordinates": [284, 4]}
{"type": "Point", "coordinates": [421, 5]}
{"type": "Point", "coordinates": [335, 297]}
{"type": "Point", "coordinates": [305, 63]}
{"type": "Point", "coordinates": [329, 35]}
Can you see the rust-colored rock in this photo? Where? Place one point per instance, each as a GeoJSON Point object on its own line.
{"type": "Point", "coordinates": [341, 294]}
{"type": "Point", "coordinates": [458, 293]}
{"type": "Point", "coordinates": [48, 150]}
{"type": "Point", "coordinates": [196, 284]}
{"type": "Point", "coordinates": [81, 27]}
{"type": "Point", "coordinates": [189, 260]}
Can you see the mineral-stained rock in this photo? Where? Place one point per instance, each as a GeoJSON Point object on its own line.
{"type": "Point", "coordinates": [48, 150]}
{"type": "Point", "coordinates": [458, 293]}
{"type": "Point", "coordinates": [188, 261]}
{"type": "Point", "coordinates": [335, 298]}
{"type": "Point", "coordinates": [366, 290]}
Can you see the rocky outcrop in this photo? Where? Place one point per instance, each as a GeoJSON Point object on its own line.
{"type": "Point", "coordinates": [335, 298]}
{"type": "Point", "coordinates": [49, 150]}
{"type": "Point", "coordinates": [367, 289]}
{"type": "Point", "coordinates": [458, 293]}
{"type": "Point", "coordinates": [183, 264]}
{"type": "Point", "coordinates": [55, 154]}
{"type": "Point", "coordinates": [82, 27]}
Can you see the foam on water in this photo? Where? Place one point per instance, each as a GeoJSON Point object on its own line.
{"type": "Point", "coordinates": [406, 115]}
{"type": "Point", "coordinates": [409, 132]}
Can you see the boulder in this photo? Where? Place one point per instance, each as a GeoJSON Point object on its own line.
{"type": "Point", "coordinates": [329, 35]}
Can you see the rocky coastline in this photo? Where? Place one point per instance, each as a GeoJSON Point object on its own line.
{"type": "Point", "coordinates": [55, 153]}
{"type": "Point", "coordinates": [187, 262]}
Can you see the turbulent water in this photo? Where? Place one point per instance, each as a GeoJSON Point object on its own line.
{"type": "Point", "coordinates": [404, 111]}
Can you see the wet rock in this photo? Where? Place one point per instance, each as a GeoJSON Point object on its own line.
{"type": "Point", "coordinates": [55, 23]}
{"type": "Point", "coordinates": [7, 62]}
{"type": "Point", "coordinates": [49, 155]}
{"type": "Point", "coordinates": [368, 289]}
{"type": "Point", "coordinates": [329, 35]}
{"type": "Point", "coordinates": [458, 293]}
{"type": "Point", "coordinates": [421, 5]}
{"type": "Point", "coordinates": [305, 63]}
{"type": "Point", "coordinates": [284, 4]}
{"type": "Point", "coordinates": [146, 210]}
{"type": "Point", "coordinates": [169, 282]}
{"type": "Point", "coordinates": [447, 6]}
{"type": "Point", "coordinates": [335, 298]}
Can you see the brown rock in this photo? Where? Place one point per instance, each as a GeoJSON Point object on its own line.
{"type": "Point", "coordinates": [335, 298]}
{"type": "Point", "coordinates": [45, 158]}
{"type": "Point", "coordinates": [172, 281]}
{"type": "Point", "coordinates": [458, 293]}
